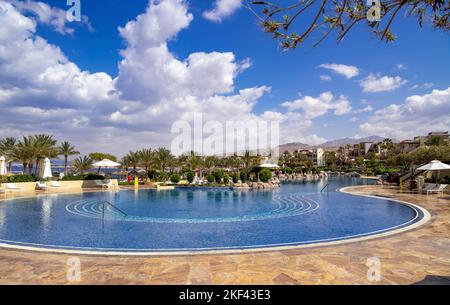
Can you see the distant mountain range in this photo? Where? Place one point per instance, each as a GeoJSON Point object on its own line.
{"type": "Point", "coordinates": [329, 144]}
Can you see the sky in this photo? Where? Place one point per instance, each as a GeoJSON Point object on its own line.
{"type": "Point", "coordinates": [121, 76]}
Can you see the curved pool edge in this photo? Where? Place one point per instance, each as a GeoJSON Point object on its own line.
{"type": "Point", "coordinates": [424, 220]}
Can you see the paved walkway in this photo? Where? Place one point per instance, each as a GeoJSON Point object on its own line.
{"type": "Point", "coordinates": [409, 257]}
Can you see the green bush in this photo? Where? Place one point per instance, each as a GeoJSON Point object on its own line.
{"type": "Point", "coordinates": [287, 170]}
{"type": "Point", "coordinates": [243, 176]}
{"type": "Point", "coordinates": [226, 179]}
{"type": "Point", "coordinates": [83, 177]}
{"type": "Point", "coordinates": [175, 178]}
{"type": "Point", "coordinates": [210, 178]}
{"type": "Point", "coordinates": [163, 177]}
{"type": "Point", "coordinates": [235, 177]}
{"type": "Point", "coordinates": [265, 175]}
{"type": "Point", "coordinates": [218, 175]}
{"type": "Point", "coordinates": [21, 178]}
{"type": "Point", "coordinates": [190, 177]}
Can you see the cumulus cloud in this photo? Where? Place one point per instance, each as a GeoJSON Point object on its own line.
{"type": "Point", "coordinates": [374, 83]}
{"type": "Point", "coordinates": [313, 107]}
{"type": "Point", "coordinates": [417, 115]}
{"type": "Point", "coordinates": [222, 9]}
{"type": "Point", "coordinates": [345, 70]}
{"type": "Point", "coordinates": [47, 15]}
{"type": "Point", "coordinates": [46, 92]}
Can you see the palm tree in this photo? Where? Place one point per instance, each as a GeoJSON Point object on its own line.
{"type": "Point", "coordinates": [132, 159]}
{"type": "Point", "coordinates": [82, 164]}
{"type": "Point", "coordinates": [163, 158]}
{"type": "Point", "coordinates": [7, 146]}
{"type": "Point", "coordinates": [210, 162]}
{"type": "Point", "coordinates": [146, 158]}
{"type": "Point", "coordinates": [44, 147]}
{"type": "Point", "coordinates": [247, 161]}
{"type": "Point", "coordinates": [24, 152]}
{"type": "Point", "coordinates": [192, 160]}
{"type": "Point", "coordinates": [66, 149]}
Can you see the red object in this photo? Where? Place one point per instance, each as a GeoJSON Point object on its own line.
{"type": "Point", "coordinates": [129, 178]}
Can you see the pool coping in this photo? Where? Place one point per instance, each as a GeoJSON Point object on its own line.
{"type": "Point", "coordinates": [425, 219]}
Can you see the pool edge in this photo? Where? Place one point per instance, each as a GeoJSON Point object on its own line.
{"type": "Point", "coordinates": [425, 219]}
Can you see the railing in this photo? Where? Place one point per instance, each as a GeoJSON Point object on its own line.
{"type": "Point", "coordinates": [113, 206]}
{"type": "Point", "coordinates": [325, 187]}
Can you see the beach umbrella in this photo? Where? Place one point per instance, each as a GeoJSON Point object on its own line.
{"type": "Point", "coordinates": [2, 166]}
{"type": "Point", "coordinates": [46, 169]}
{"type": "Point", "coordinates": [269, 165]}
{"type": "Point", "coordinates": [105, 163]}
{"type": "Point", "coordinates": [434, 165]}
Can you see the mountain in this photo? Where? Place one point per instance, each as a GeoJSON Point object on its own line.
{"type": "Point", "coordinates": [329, 144]}
{"type": "Point", "coordinates": [351, 141]}
{"type": "Point", "coordinates": [290, 147]}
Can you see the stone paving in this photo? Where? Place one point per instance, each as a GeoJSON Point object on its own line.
{"type": "Point", "coordinates": [405, 258]}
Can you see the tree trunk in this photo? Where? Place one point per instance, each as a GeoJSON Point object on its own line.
{"type": "Point", "coordinates": [65, 165]}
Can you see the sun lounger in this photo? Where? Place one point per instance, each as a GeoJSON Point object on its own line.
{"type": "Point", "coordinates": [11, 187]}
{"type": "Point", "coordinates": [427, 187]}
{"type": "Point", "coordinates": [54, 184]}
{"type": "Point", "coordinates": [41, 186]}
{"type": "Point", "coordinates": [439, 188]}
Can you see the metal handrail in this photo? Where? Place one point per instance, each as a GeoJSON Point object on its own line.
{"type": "Point", "coordinates": [324, 187]}
{"type": "Point", "coordinates": [112, 205]}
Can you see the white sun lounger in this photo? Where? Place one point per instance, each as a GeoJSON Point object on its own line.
{"type": "Point", "coordinates": [439, 188]}
{"type": "Point", "coordinates": [54, 184]}
{"type": "Point", "coordinates": [11, 187]}
{"type": "Point", "coordinates": [41, 186]}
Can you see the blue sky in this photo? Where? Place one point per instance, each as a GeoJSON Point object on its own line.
{"type": "Point", "coordinates": [408, 71]}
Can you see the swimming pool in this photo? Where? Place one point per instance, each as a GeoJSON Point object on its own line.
{"type": "Point", "coordinates": [198, 219]}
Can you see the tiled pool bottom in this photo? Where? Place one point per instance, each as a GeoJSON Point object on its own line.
{"type": "Point", "coordinates": [199, 219]}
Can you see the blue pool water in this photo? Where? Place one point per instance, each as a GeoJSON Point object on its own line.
{"type": "Point", "coordinates": [199, 218]}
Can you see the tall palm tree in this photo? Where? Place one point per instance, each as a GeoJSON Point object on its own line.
{"type": "Point", "coordinates": [146, 159]}
{"type": "Point", "coordinates": [44, 147]}
{"type": "Point", "coordinates": [192, 160]}
{"type": "Point", "coordinates": [210, 162]}
{"type": "Point", "coordinates": [7, 146]}
{"type": "Point", "coordinates": [247, 161]}
{"type": "Point", "coordinates": [66, 149]}
{"type": "Point", "coordinates": [24, 152]}
{"type": "Point", "coordinates": [132, 159]}
{"type": "Point", "coordinates": [163, 158]}
{"type": "Point", "coordinates": [82, 164]}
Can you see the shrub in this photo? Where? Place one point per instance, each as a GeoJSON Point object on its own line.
{"type": "Point", "coordinates": [287, 170]}
{"type": "Point", "coordinates": [94, 177]}
{"type": "Point", "coordinates": [21, 178]}
{"type": "Point", "coordinates": [163, 177]}
{"type": "Point", "coordinates": [83, 177]}
{"type": "Point", "coordinates": [190, 177]}
{"type": "Point", "coordinates": [226, 178]}
{"type": "Point", "coordinates": [210, 178]}
{"type": "Point", "coordinates": [218, 175]}
{"type": "Point", "coordinates": [265, 175]}
{"type": "Point", "coordinates": [243, 176]}
{"type": "Point", "coordinates": [235, 177]}
{"type": "Point", "coordinates": [175, 178]}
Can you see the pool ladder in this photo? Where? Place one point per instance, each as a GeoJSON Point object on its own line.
{"type": "Point", "coordinates": [325, 187]}
{"type": "Point", "coordinates": [106, 202]}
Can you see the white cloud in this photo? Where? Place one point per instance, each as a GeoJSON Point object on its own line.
{"type": "Point", "coordinates": [317, 106]}
{"type": "Point", "coordinates": [417, 115]}
{"type": "Point", "coordinates": [51, 16]}
{"type": "Point", "coordinates": [422, 86]}
{"type": "Point", "coordinates": [345, 70]}
{"type": "Point", "coordinates": [325, 77]}
{"type": "Point", "coordinates": [401, 67]}
{"type": "Point", "coordinates": [222, 9]}
{"type": "Point", "coordinates": [354, 119]}
{"type": "Point", "coordinates": [373, 83]}
{"type": "Point", "coordinates": [368, 108]}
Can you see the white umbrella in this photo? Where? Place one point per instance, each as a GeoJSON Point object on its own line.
{"type": "Point", "coordinates": [269, 165]}
{"type": "Point", "coordinates": [105, 163]}
{"type": "Point", "coordinates": [434, 165]}
{"type": "Point", "coordinates": [2, 166]}
{"type": "Point", "coordinates": [46, 169]}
